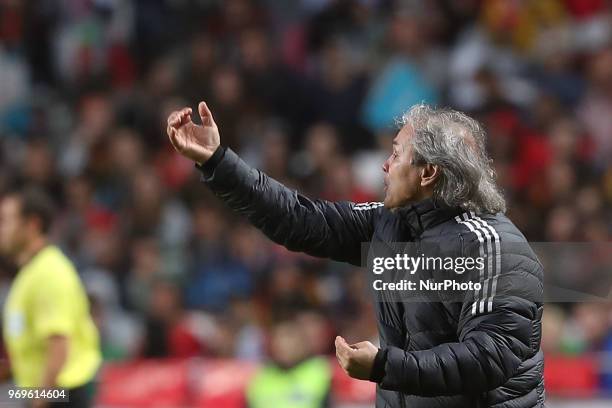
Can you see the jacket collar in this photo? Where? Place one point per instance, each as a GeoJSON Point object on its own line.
{"type": "Point", "coordinates": [426, 214]}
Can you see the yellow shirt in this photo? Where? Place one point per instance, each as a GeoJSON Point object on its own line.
{"type": "Point", "coordinates": [47, 298]}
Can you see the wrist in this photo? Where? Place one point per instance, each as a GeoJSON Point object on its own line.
{"type": "Point", "coordinates": [208, 165]}
{"type": "Point", "coordinates": [378, 368]}
{"type": "Point", "coordinates": [206, 156]}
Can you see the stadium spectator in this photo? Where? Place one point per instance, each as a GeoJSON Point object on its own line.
{"type": "Point", "coordinates": [293, 377]}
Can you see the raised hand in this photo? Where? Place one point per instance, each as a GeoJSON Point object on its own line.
{"type": "Point", "coordinates": [196, 142]}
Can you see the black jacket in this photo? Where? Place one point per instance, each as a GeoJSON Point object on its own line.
{"type": "Point", "coordinates": [481, 351]}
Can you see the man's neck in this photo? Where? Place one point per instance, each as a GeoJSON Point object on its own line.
{"type": "Point", "coordinates": [414, 202]}
{"type": "Point", "coordinates": [33, 247]}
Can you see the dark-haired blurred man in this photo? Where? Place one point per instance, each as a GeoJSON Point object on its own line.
{"type": "Point", "coordinates": [50, 336]}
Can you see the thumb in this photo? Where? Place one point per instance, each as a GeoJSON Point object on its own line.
{"type": "Point", "coordinates": [205, 114]}
{"type": "Point", "coordinates": [342, 344]}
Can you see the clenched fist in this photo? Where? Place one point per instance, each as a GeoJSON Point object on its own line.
{"type": "Point", "coordinates": [196, 142]}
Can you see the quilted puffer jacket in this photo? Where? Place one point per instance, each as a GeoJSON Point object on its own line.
{"type": "Point", "coordinates": [480, 350]}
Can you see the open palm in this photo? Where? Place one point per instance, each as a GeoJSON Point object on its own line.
{"type": "Point", "coordinates": [196, 142]}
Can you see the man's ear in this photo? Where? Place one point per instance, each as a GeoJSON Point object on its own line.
{"type": "Point", "coordinates": [429, 174]}
{"type": "Point", "coordinates": [33, 225]}
{"type": "Point", "coordinates": [30, 225]}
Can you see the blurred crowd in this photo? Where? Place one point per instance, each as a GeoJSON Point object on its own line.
{"type": "Point", "coordinates": [309, 91]}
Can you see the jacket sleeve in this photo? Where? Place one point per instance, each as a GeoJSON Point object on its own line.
{"type": "Point", "coordinates": [317, 227]}
{"type": "Point", "coordinates": [493, 341]}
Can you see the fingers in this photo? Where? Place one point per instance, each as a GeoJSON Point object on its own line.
{"type": "Point", "coordinates": [341, 344]}
{"type": "Point", "coordinates": [171, 134]}
{"type": "Point", "coordinates": [185, 115]}
{"type": "Point", "coordinates": [343, 350]}
{"type": "Point", "coordinates": [173, 119]}
{"type": "Point", "coordinates": [179, 118]}
{"type": "Point", "coordinates": [205, 114]}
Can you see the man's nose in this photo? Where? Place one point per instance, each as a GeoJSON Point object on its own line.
{"type": "Point", "coordinates": [385, 166]}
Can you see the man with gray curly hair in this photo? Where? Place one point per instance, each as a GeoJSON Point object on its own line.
{"type": "Point", "coordinates": [451, 146]}
{"type": "Point", "coordinates": [475, 348]}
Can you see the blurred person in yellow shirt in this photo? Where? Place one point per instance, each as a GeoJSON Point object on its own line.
{"type": "Point", "coordinates": [294, 377]}
{"type": "Point", "coordinates": [49, 334]}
